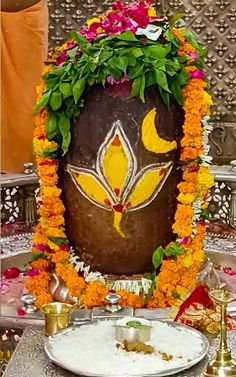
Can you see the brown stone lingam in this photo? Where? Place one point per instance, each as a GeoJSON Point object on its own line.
{"type": "Point", "coordinates": [119, 188]}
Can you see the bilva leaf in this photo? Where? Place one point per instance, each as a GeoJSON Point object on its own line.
{"type": "Point", "coordinates": [173, 250]}
{"type": "Point", "coordinates": [157, 257]}
{"type": "Point", "coordinates": [52, 126]}
{"type": "Point", "coordinates": [64, 126]}
{"type": "Point", "coordinates": [58, 240]}
{"type": "Point", "coordinates": [36, 256]}
{"type": "Point", "coordinates": [55, 100]}
{"type": "Point", "coordinates": [137, 52]}
{"type": "Point", "coordinates": [158, 51]}
{"type": "Point", "coordinates": [50, 152]}
{"type": "Point", "coordinates": [65, 89]}
{"type": "Point", "coordinates": [162, 80]}
{"type": "Point", "coordinates": [119, 62]}
{"type": "Point", "coordinates": [152, 277]}
{"type": "Point", "coordinates": [183, 77]}
{"type": "Point", "coordinates": [105, 56]}
{"type": "Point", "coordinates": [142, 89]}
{"type": "Point", "coordinates": [127, 36]}
{"type": "Point", "coordinates": [78, 89]}
{"type": "Point", "coordinates": [79, 38]}
{"type": "Point", "coordinates": [171, 38]}
{"type": "Point", "coordinates": [43, 101]}
{"type": "Point", "coordinates": [175, 18]}
{"type": "Point", "coordinates": [136, 85]}
{"type": "Point", "coordinates": [135, 71]}
{"type": "Point", "coordinates": [176, 91]}
{"type": "Point", "coordinates": [165, 96]}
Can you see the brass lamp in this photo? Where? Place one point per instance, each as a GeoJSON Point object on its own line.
{"type": "Point", "coordinates": [222, 365]}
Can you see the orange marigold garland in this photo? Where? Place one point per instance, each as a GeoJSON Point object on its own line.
{"type": "Point", "coordinates": [177, 277]}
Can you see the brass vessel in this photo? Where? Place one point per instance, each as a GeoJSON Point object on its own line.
{"type": "Point", "coordinates": [57, 316]}
{"type": "Point", "coordinates": [223, 365]}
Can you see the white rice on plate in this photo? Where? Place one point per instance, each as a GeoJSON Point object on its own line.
{"type": "Point", "coordinates": [91, 349]}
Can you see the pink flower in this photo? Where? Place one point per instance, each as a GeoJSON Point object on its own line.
{"type": "Point", "coordinates": [123, 17]}
{"type": "Point", "coordinates": [201, 222]}
{"type": "Point", "coordinates": [192, 169]}
{"type": "Point", "coordinates": [48, 163]}
{"type": "Point", "coordinates": [197, 74]}
{"type": "Point", "coordinates": [20, 312]}
{"type": "Point", "coordinates": [184, 240]}
{"type": "Point", "coordinates": [33, 272]}
{"type": "Point", "coordinates": [71, 44]}
{"type": "Point", "coordinates": [193, 55]}
{"type": "Point", "coordinates": [39, 246]}
{"type": "Point", "coordinates": [229, 271]}
{"type": "Point", "coordinates": [62, 57]}
{"type": "Point", "coordinates": [112, 81]}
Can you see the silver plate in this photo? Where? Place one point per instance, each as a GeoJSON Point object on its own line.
{"type": "Point", "coordinates": [205, 346]}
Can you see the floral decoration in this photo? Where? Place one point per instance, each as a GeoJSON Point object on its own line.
{"type": "Point", "coordinates": [130, 42]}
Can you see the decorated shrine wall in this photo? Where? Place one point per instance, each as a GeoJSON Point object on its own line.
{"type": "Point", "coordinates": [213, 22]}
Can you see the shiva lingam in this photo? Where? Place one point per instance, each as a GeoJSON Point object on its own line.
{"type": "Point", "coordinates": [222, 365]}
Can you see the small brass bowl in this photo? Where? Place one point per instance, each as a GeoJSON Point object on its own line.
{"type": "Point", "coordinates": [57, 316]}
{"type": "Point", "coordinates": [130, 333]}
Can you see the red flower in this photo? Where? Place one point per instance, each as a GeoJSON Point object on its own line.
{"type": "Point", "coordinates": [20, 312]}
{"type": "Point", "coordinates": [12, 273]}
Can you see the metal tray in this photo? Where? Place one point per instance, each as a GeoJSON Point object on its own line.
{"type": "Point", "coordinates": [81, 371]}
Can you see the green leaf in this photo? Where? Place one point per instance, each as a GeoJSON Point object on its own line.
{"type": "Point", "coordinates": [72, 53]}
{"type": "Point", "coordinates": [119, 62]}
{"type": "Point", "coordinates": [183, 77]}
{"type": "Point", "coordinates": [43, 101]}
{"type": "Point", "coordinates": [52, 126]}
{"type": "Point", "coordinates": [151, 288]}
{"type": "Point", "coordinates": [55, 100]}
{"type": "Point", "coordinates": [59, 240]}
{"type": "Point", "coordinates": [105, 56]}
{"type": "Point", "coordinates": [136, 85]}
{"type": "Point", "coordinates": [176, 91]}
{"type": "Point", "coordinates": [65, 89]}
{"type": "Point", "coordinates": [165, 96]}
{"type": "Point", "coordinates": [131, 60]}
{"type": "Point", "coordinates": [137, 52]}
{"type": "Point", "coordinates": [56, 72]}
{"type": "Point", "coordinates": [204, 214]}
{"type": "Point", "coordinates": [115, 72]}
{"type": "Point", "coordinates": [79, 38]}
{"type": "Point", "coordinates": [150, 79]}
{"type": "Point", "coordinates": [171, 38]}
{"type": "Point", "coordinates": [126, 36]}
{"type": "Point", "coordinates": [175, 18]}
{"type": "Point", "coordinates": [161, 80]}
{"type": "Point", "coordinates": [50, 152]}
{"type": "Point", "coordinates": [135, 71]}
{"type": "Point", "coordinates": [173, 250]}
{"type": "Point", "coordinates": [64, 126]}
{"type": "Point", "coordinates": [142, 89]}
{"type": "Point", "coordinates": [78, 89]}
{"type": "Point", "coordinates": [158, 51]}
{"type": "Point", "coordinates": [157, 257]}
{"type": "Point", "coordinates": [52, 82]}
{"type": "Point", "coordinates": [36, 256]}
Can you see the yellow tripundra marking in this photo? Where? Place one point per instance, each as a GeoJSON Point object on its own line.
{"type": "Point", "coordinates": [151, 140]}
